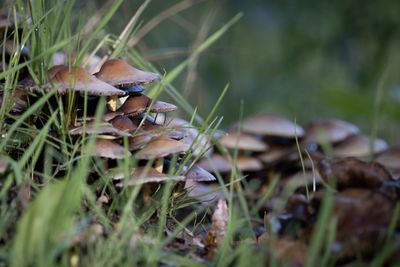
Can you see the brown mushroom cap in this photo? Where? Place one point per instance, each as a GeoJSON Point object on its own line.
{"type": "Point", "coordinates": [215, 163]}
{"type": "Point", "coordinates": [123, 123]}
{"type": "Point", "coordinates": [106, 117]}
{"type": "Point", "coordinates": [101, 128]}
{"type": "Point", "coordinates": [140, 103]}
{"type": "Point", "coordinates": [119, 73]}
{"type": "Point", "coordinates": [149, 132]}
{"type": "Point", "coordinates": [109, 149]}
{"type": "Point", "coordinates": [248, 164]}
{"type": "Point", "coordinates": [390, 158]}
{"type": "Point", "coordinates": [220, 164]}
{"type": "Point", "coordinates": [362, 217]}
{"type": "Point", "coordinates": [351, 172]}
{"type": "Point", "coordinates": [272, 125]}
{"type": "Point", "coordinates": [139, 141]}
{"type": "Point", "coordinates": [192, 134]}
{"type": "Point", "coordinates": [143, 175]}
{"type": "Point", "coordinates": [301, 179]}
{"type": "Point", "coordinates": [242, 141]}
{"type": "Point", "coordinates": [78, 79]}
{"type": "Point", "coordinates": [275, 153]}
{"type": "Point", "coordinates": [359, 146]}
{"type": "Point", "coordinates": [330, 130]}
{"type": "Point", "coordinates": [199, 174]}
{"type": "Point", "coordinates": [161, 147]}
{"type": "Point", "coordinates": [54, 70]}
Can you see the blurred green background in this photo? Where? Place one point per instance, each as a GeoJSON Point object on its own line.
{"type": "Point", "coordinates": [302, 59]}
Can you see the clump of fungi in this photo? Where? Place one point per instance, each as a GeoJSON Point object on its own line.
{"type": "Point", "coordinates": [327, 155]}
{"type": "Point", "coordinates": [125, 128]}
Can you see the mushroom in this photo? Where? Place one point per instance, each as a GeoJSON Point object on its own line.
{"type": "Point", "coordinates": [363, 217]}
{"type": "Point", "coordinates": [217, 163]}
{"type": "Point", "coordinates": [276, 153]}
{"type": "Point", "coordinates": [242, 141]}
{"type": "Point", "coordinates": [105, 129]}
{"type": "Point", "coordinates": [390, 158]}
{"type": "Point", "coordinates": [123, 123]}
{"type": "Point", "coordinates": [122, 75]}
{"type": "Point", "coordinates": [359, 146]}
{"type": "Point", "coordinates": [142, 175]}
{"type": "Point", "coordinates": [159, 148]}
{"type": "Point", "coordinates": [272, 125]}
{"type": "Point", "coordinates": [141, 103]}
{"type": "Point", "coordinates": [351, 172]}
{"type": "Point", "coordinates": [199, 141]}
{"type": "Point", "coordinates": [197, 173]}
{"type": "Point", "coordinates": [248, 164]}
{"type": "Point", "coordinates": [109, 149]}
{"type": "Point", "coordinates": [329, 130]}
{"type": "Point", "coordinates": [78, 79]}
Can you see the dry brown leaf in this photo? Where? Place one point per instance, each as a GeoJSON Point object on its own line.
{"type": "Point", "coordinates": [219, 222]}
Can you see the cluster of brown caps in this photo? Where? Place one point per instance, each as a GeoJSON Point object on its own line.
{"type": "Point", "coordinates": [325, 155]}
{"type": "Point", "coordinates": [126, 115]}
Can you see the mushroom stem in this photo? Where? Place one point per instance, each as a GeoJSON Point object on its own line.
{"type": "Point", "coordinates": [159, 164]}
{"type": "Point", "coordinates": [112, 103]}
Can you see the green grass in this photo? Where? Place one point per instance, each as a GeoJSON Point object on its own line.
{"type": "Point", "coordinates": [63, 206]}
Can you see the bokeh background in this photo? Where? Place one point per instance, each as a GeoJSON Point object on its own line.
{"type": "Point", "coordinates": [302, 59]}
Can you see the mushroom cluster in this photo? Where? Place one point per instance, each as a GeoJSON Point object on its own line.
{"type": "Point", "coordinates": [126, 120]}
{"type": "Point", "coordinates": [308, 163]}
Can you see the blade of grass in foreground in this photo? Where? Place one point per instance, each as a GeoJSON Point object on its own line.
{"type": "Point", "coordinates": [318, 234]}
{"type": "Point", "coordinates": [46, 223]}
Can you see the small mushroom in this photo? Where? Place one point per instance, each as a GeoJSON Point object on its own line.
{"type": "Point", "coordinates": [109, 149]}
{"type": "Point", "coordinates": [329, 130]}
{"type": "Point", "coordinates": [143, 175]}
{"type": "Point", "coordinates": [272, 125]}
{"type": "Point", "coordinates": [390, 158]}
{"type": "Point", "coordinates": [359, 146]}
{"type": "Point", "coordinates": [199, 174]}
{"type": "Point", "coordinates": [80, 80]}
{"type": "Point", "coordinates": [275, 153]}
{"type": "Point", "coordinates": [351, 172]}
{"type": "Point", "coordinates": [161, 147]}
{"type": "Point", "coordinates": [123, 123]}
{"type": "Point", "coordinates": [199, 141]}
{"type": "Point", "coordinates": [248, 164]}
{"type": "Point", "coordinates": [215, 163]}
{"type": "Point", "coordinates": [141, 103]}
{"type": "Point", "coordinates": [139, 141]}
{"type": "Point", "coordinates": [122, 75]}
{"type": "Point", "coordinates": [104, 128]}
{"type": "Point", "coordinates": [363, 217]}
{"type": "Point", "coordinates": [242, 141]}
